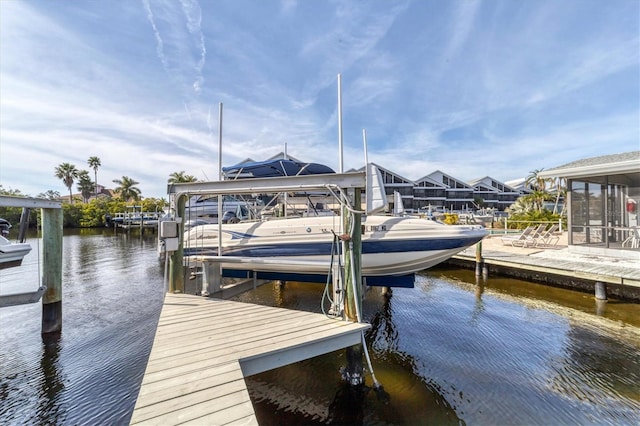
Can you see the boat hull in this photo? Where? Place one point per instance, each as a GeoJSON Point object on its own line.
{"type": "Point", "coordinates": [11, 254]}
{"type": "Point", "coordinates": [391, 246]}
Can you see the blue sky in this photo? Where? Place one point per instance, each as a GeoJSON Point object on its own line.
{"type": "Point", "coordinates": [471, 88]}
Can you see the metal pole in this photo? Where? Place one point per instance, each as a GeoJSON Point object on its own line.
{"type": "Point", "coordinates": [176, 265]}
{"type": "Point", "coordinates": [220, 142]}
{"type": "Point", "coordinates": [52, 270]}
{"type": "Point", "coordinates": [341, 165]}
{"type": "Point", "coordinates": [220, 197]}
{"type": "Point", "coordinates": [24, 224]}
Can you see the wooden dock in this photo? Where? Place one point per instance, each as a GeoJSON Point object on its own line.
{"type": "Point", "coordinates": [204, 348]}
{"type": "Point", "coordinates": [544, 264]}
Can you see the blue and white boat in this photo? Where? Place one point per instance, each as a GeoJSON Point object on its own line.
{"type": "Point", "coordinates": [391, 246]}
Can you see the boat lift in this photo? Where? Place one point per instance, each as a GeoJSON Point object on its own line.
{"type": "Point", "coordinates": [172, 231]}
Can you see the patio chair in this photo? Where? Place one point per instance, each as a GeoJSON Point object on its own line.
{"type": "Point", "coordinates": [518, 239]}
{"type": "Point", "coordinates": [549, 238]}
{"type": "Point", "coordinates": [532, 238]}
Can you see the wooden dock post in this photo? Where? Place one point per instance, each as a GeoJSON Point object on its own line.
{"type": "Point", "coordinates": [353, 258]}
{"type": "Point", "coordinates": [176, 265]}
{"type": "Point", "coordinates": [52, 270]}
{"type": "Point", "coordinates": [353, 373]}
{"type": "Point", "coordinates": [478, 258]}
{"type": "Point", "coordinates": [601, 290]}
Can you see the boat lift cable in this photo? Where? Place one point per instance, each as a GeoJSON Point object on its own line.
{"type": "Point", "coordinates": [325, 295]}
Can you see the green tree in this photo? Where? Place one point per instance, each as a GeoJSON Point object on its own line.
{"type": "Point", "coordinates": [560, 186]}
{"type": "Point", "coordinates": [127, 189]}
{"type": "Point", "coordinates": [94, 163]}
{"type": "Point", "coordinates": [68, 173]}
{"type": "Point", "coordinates": [539, 186]}
{"type": "Point", "coordinates": [49, 195]}
{"type": "Point", "coordinates": [85, 185]}
{"type": "Point", "coordinates": [537, 182]}
{"type": "Point", "coordinates": [181, 177]}
{"type": "Point", "coordinates": [12, 214]}
{"type": "Point", "coordinates": [154, 204]}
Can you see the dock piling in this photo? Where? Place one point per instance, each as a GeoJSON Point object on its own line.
{"type": "Point", "coordinates": [600, 290]}
{"type": "Point", "coordinates": [480, 269]}
{"type": "Point", "coordinates": [52, 270]}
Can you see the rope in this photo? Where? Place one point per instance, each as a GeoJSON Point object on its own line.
{"type": "Point", "coordinates": [325, 295]}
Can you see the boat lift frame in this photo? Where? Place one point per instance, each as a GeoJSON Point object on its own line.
{"type": "Point", "coordinates": [346, 183]}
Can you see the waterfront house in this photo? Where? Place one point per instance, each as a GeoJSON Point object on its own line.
{"type": "Point", "coordinates": [439, 191]}
{"type": "Point", "coordinates": [602, 201]}
{"type": "Point", "coordinates": [494, 194]}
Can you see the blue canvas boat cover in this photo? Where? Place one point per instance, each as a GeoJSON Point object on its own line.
{"type": "Point", "coordinates": [274, 168]}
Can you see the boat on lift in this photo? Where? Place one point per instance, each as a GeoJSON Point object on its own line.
{"type": "Point", "coordinates": [391, 245]}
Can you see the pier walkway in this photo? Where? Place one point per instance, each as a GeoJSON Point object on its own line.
{"type": "Point", "coordinates": [204, 348]}
{"type": "Point", "coordinates": [558, 261]}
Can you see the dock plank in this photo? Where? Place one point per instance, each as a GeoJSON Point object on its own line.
{"type": "Point", "coordinates": [561, 264]}
{"type": "Point", "coordinates": [204, 347]}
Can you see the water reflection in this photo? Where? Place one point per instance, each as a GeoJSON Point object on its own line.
{"type": "Point", "coordinates": [453, 350]}
{"type": "Point", "coordinates": [312, 392]}
{"type": "Point", "coordinates": [90, 372]}
{"type": "Point", "coordinates": [50, 409]}
{"type": "Point", "coordinates": [627, 312]}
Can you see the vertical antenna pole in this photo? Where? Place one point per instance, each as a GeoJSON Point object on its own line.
{"type": "Point", "coordinates": [366, 152]}
{"type": "Point", "coordinates": [341, 165]}
{"type": "Point", "coordinates": [220, 143]}
{"type": "Point", "coordinates": [220, 198]}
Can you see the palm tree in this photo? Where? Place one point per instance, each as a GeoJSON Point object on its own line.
{"type": "Point", "coordinates": [94, 163]}
{"type": "Point", "coordinates": [561, 192]}
{"type": "Point", "coordinates": [180, 177]}
{"type": "Point", "coordinates": [537, 182]}
{"type": "Point", "coordinates": [67, 172]}
{"type": "Point", "coordinates": [539, 186]}
{"type": "Point", "coordinates": [523, 205]}
{"type": "Point", "coordinates": [127, 188]}
{"type": "Point", "coordinates": [85, 185]}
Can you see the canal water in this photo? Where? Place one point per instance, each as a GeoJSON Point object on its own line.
{"type": "Point", "coordinates": [449, 351]}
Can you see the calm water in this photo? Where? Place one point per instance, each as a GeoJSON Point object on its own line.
{"type": "Point", "coordinates": [446, 352]}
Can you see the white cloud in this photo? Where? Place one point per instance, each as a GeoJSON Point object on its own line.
{"type": "Point", "coordinates": [471, 88]}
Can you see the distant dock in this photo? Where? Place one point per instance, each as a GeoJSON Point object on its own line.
{"type": "Point", "coordinates": [557, 266]}
{"type": "Point", "coordinates": [204, 348]}
{"type": "Point", "coordinates": [135, 220]}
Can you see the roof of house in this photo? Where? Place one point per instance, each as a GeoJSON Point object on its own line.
{"type": "Point", "coordinates": [627, 162]}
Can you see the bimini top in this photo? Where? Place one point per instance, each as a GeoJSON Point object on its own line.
{"type": "Point", "coordinates": [274, 168]}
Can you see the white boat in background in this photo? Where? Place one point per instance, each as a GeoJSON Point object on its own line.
{"type": "Point", "coordinates": [11, 254]}
{"type": "Point", "coordinates": [391, 246]}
